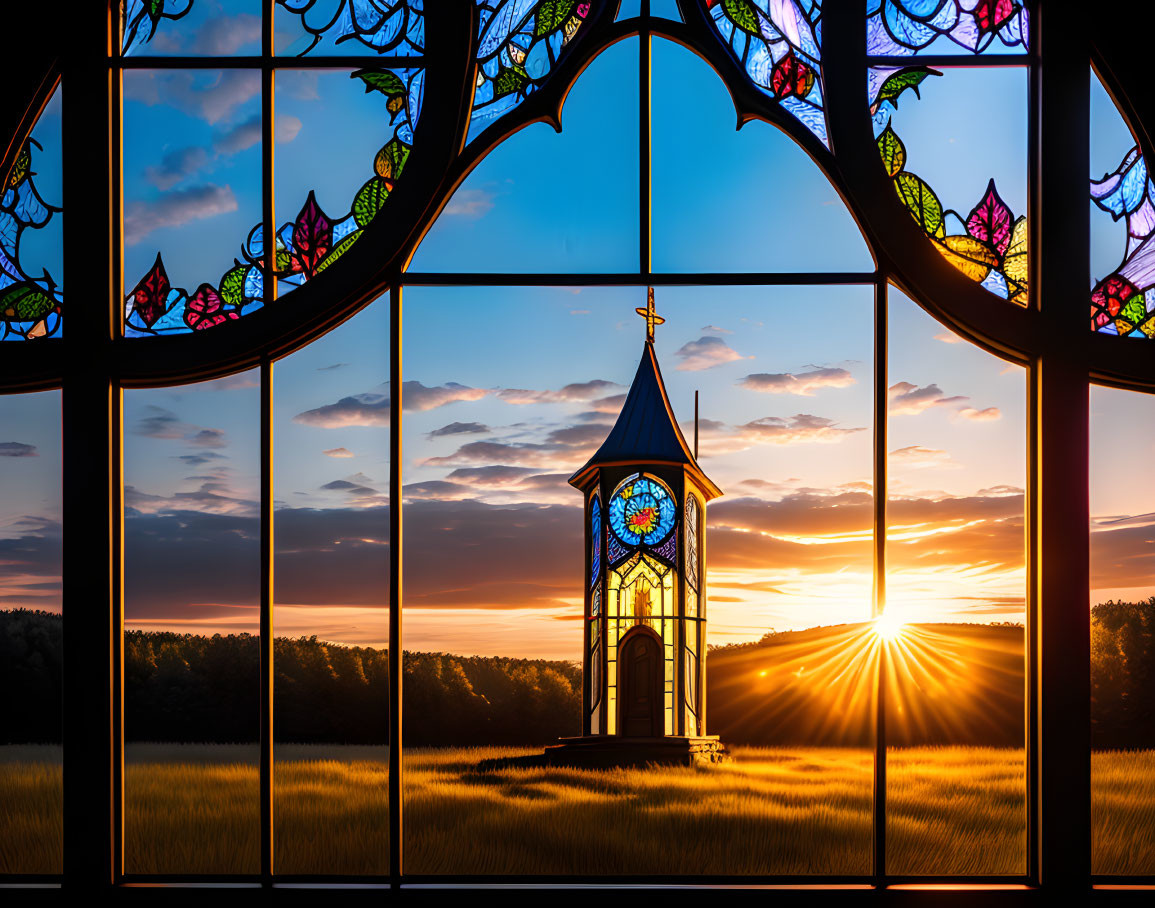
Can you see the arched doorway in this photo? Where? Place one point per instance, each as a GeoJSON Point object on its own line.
{"type": "Point", "coordinates": [640, 664]}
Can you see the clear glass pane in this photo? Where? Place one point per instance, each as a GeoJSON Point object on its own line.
{"type": "Point", "coordinates": [31, 635]}
{"type": "Point", "coordinates": [331, 620]}
{"type": "Point", "coordinates": [32, 234]}
{"type": "Point", "coordinates": [192, 198]}
{"type": "Point", "coordinates": [360, 122]}
{"type": "Point", "coordinates": [508, 392]}
{"type": "Point", "coordinates": [1122, 221]}
{"type": "Point", "coordinates": [723, 200]}
{"type": "Point", "coordinates": [1122, 644]}
{"type": "Point", "coordinates": [965, 187]}
{"type": "Point", "coordinates": [192, 28]}
{"type": "Point", "coordinates": [543, 202]}
{"type": "Point", "coordinates": [191, 620]}
{"type": "Point", "coordinates": [954, 621]}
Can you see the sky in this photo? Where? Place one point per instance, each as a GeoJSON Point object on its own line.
{"type": "Point", "coordinates": [509, 389]}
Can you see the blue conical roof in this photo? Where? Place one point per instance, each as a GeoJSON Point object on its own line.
{"type": "Point", "coordinates": [646, 430]}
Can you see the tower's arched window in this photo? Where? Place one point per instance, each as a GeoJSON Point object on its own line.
{"type": "Point", "coordinates": [351, 303]}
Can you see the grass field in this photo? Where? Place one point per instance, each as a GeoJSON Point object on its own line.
{"type": "Point", "coordinates": [193, 809]}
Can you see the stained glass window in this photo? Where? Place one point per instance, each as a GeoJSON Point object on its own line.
{"type": "Point", "coordinates": [642, 510]}
{"type": "Point", "coordinates": [595, 539]}
{"type": "Point", "coordinates": [779, 45]}
{"type": "Point", "coordinates": [692, 540]}
{"type": "Point", "coordinates": [31, 238]}
{"type": "Point", "coordinates": [350, 27]}
{"type": "Point", "coordinates": [1123, 301]}
{"type": "Point", "coordinates": [520, 42]}
{"type": "Point", "coordinates": [988, 241]}
{"type": "Point", "coordinates": [899, 28]}
{"type": "Point", "coordinates": [195, 251]}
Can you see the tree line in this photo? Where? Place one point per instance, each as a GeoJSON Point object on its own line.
{"type": "Point", "coordinates": [195, 688]}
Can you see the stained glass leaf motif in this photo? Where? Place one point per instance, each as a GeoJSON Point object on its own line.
{"type": "Point", "coordinates": [143, 17]}
{"type": "Point", "coordinates": [383, 26]}
{"type": "Point", "coordinates": [899, 28]}
{"type": "Point", "coordinates": [30, 306]}
{"type": "Point", "coordinates": [1123, 303]}
{"type": "Point", "coordinates": [993, 249]}
{"type": "Point", "coordinates": [778, 44]}
{"type": "Point", "coordinates": [519, 44]}
{"type": "Point", "coordinates": [305, 247]}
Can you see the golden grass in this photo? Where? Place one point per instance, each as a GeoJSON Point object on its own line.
{"type": "Point", "coordinates": [193, 809]}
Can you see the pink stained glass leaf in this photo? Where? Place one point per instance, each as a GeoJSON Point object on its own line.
{"type": "Point", "coordinates": [312, 236]}
{"type": "Point", "coordinates": [991, 221]}
{"type": "Point", "coordinates": [150, 296]}
{"type": "Point", "coordinates": [791, 77]}
{"type": "Point", "coordinates": [206, 309]}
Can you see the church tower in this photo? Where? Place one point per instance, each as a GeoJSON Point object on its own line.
{"type": "Point", "coordinates": [644, 697]}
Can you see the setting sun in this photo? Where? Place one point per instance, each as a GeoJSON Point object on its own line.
{"type": "Point", "coordinates": [888, 627]}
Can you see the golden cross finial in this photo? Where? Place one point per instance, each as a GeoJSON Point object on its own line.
{"type": "Point", "coordinates": [651, 316]}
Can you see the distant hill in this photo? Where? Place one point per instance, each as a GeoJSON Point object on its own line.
{"type": "Point", "coordinates": [947, 684]}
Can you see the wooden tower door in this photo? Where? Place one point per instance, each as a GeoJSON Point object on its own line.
{"type": "Point", "coordinates": [640, 695]}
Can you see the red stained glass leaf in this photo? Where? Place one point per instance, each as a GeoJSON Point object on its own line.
{"type": "Point", "coordinates": [991, 221]}
{"type": "Point", "coordinates": [206, 309]}
{"type": "Point", "coordinates": [791, 77]}
{"type": "Point", "coordinates": [991, 15]}
{"type": "Point", "coordinates": [312, 237]}
{"type": "Point", "coordinates": [1111, 293]}
{"type": "Point", "coordinates": [150, 296]}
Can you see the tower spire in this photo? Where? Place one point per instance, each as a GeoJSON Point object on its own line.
{"type": "Point", "coordinates": [650, 315]}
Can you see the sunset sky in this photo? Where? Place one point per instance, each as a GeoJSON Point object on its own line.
{"type": "Point", "coordinates": [509, 390]}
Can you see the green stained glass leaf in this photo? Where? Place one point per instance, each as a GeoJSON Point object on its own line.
{"type": "Point", "coordinates": [340, 249]}
{"type": "Point", "coordinates": [741, 12]}
{"type": "Point", "coordinates": [893, 153]}
{"type": "Point", "coordinates": [921, 202]}
{"type": "Point", "coordinates": [369, 200]}
{"type": "Point", "coordinates": [20, 167]}
{"type": "Point", "coordinates": [552, 14]}
{"type": "Point", "coordinates": [284, 261]}
{"type": "Point", "coordinates": [233, 285]}
{"type": "Point", "coordinates": [900, 81]}
{"type": "Point", "coordinates": [1136, 309]}
{"type": "Point", "coordinates": [155, 7]}
{"type": "Point", "coordinates": [391, 159]}
{"type": "Point", "coordinates": [510, 80]}
{"type": "Point", "coordinates": [25, 302]}
{"type": "Point", "coordinates": [388, 83]}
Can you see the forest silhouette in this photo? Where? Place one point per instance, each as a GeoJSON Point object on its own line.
{"type": "Point", "coordinates": [195, 688]}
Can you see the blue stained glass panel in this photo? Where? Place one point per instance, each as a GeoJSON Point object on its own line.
{"type": "Point", "coordinates": [595, 539]}
{"type": "Point", "coordinates": [779, 44]}
{"type": "Point", "coordinates": [901, 28]}
{"type": "Point", "coordinates": [642, 511]}
{"type": "Point", "coordinates": [349, 27]}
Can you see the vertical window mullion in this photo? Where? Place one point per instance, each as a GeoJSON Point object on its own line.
{"type": "Point", "coordinates": [269, 290]}
{"type": "Point", "coordinates": [645, 265]}
{"type": "Point", "coordinates": [395, 586]}
{"type": "Point", "coordinates": [878, 814]}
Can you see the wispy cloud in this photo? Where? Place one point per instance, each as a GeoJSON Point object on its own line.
{"type": "Point", "coordinates": [176, 208]}
{"type": "Point", "coordinates": [705, 353]}
{"type": "Point", "coordinates": [801, 383]}
{"type": "Point", "coordinates": [17, 449]}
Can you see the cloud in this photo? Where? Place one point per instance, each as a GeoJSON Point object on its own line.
{"type": "Point", "coordinates": [338, 452]}
{"type": "Point", "coordinates": [705, 353]}
{"type": "Point", "coordinates": [175, 165]}
{"type": "Point", "coordinates": [989, 414]}
{"type": "Point", "coordinates": [801, 383]}
{"type": "Point", "coordinates": [802, 428]}
{"type": "Point", "coordinates": [714, 329]}
{"type": "Point", "coordinates": [470, 203]}
{"type": "Point", "coordinates": [489, 476]}
{"type": "Point", "coordinates": [460, 428]}
{"type": "Point", "coordinates": [213, 101]}
{"type": "Point", "coordinates": [908, 399]}
{"type": "Point", "coordinates": [358, 410]}
{"type": "Point", "coordinates": [571, 393]}
{"type": "Point", "coordinates": [176, 208]}
{"type": "Point", "coordinates": [159, 422]}
{"type": "Point", "coordinates": [916, 456]}
{"type": "Point", "coordinates": [243, 135]}
{"type": "Point", "coordinates": [17, 449]}
{"type": "Point", "coordinates": [199, 460]}
{"type": "Point", "coordinates": [288, 128]}
{"type": "Point", "coordinates": [223, 36]}
{"type": "Point", "coordinates": [948, 337]}
{"type": "Point", "coordinates": [331, 367]}
{"type": "Point", "coordinates": [345, 485]}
